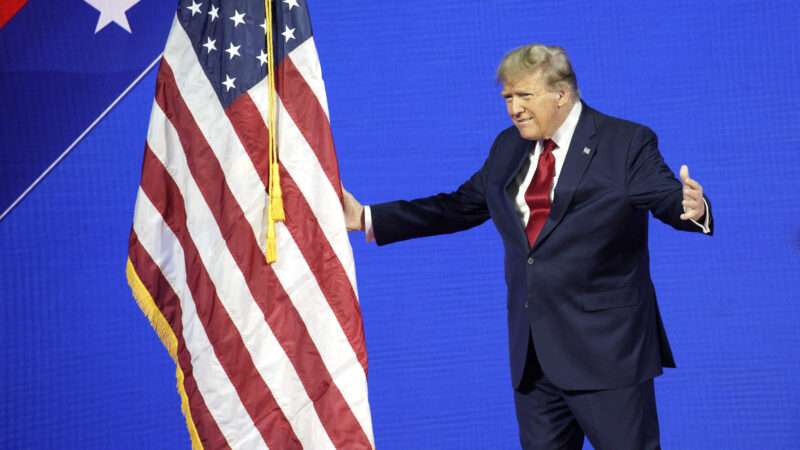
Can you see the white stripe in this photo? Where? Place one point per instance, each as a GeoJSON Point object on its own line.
{"type": "Point", "coordinates": [218, 393]}
{"type": "Point", "coordinates": [305, 58]}
{"type": "Point", "coordinates": [268, 356]}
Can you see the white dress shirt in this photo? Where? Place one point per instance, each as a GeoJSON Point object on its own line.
{"type": "Point", "coordinates": [562, 137]}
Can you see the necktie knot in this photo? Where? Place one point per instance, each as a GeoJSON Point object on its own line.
{"type": "Point", "coordinates": [548, 145]}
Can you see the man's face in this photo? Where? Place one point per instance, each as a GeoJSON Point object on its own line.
{"type": "Point", "coordinates": [533, 107]}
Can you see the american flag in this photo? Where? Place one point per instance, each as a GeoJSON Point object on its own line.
{"type": "Point", "coordinates": [267, 355]}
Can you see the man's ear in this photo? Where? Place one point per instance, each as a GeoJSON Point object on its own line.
{"type": "Point", "coordinates": [563, 97]}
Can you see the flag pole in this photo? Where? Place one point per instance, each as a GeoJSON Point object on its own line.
{"type": "Point", "coordinates": [275, 211]}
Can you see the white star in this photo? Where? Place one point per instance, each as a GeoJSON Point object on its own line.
{"type": "Point", "coordinates": [288, 34]}
{"type": "Point", "coordinates": [210, 44]}
{"type": "Point", "coordinates": [195, 8]}
{"type": "Point", "coordinates": [112, 11]}
{"type": "Point", "coordinates": [228, 83]}
{"type": "Point", "coordinates": [262, 57]}
{"type": "Point", "coordinates": [291, 3]}
{"type": "Point", "coordinates": [264, 26]}
{"type": "Point", "coordinates": [233, 50]}
{"type": "Point", "coordinates": [238, 18]}
{"type": "Point", "coordinates": [214, 13]}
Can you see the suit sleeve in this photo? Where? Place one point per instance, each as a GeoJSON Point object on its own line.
{"type": "Point", "coordinates": [438, 214]}
{"type": "Point", "coordinates": [651, 184]}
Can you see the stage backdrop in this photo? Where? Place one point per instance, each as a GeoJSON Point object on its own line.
{"type": "Point", "coordinates": [414, 109]}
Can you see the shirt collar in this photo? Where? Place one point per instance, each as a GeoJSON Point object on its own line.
{"type": "Point", "coordinates": [563, 136]}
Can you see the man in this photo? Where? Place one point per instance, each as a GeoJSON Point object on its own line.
{"type": "Point", "coordinates": [569, 190]}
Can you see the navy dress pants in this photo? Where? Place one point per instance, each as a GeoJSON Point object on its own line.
{"type": "Point", "coordinates": [553, 419]}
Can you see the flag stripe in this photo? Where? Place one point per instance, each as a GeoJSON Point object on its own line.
{"type": "Point", "coordinates": [309, 117]}
{"type": "Point", "coordinates": [278, 310]}
{"type": "Point", "coordinates": [168, 303]}
{"type": "Point", "coordinates": [304, 167]}
{"type": "Point", "coordinates": [306, 231]}
{"type": "Point", "coordinates": [234, 292]}
{"type": "Point", "coordinates": [325, 299]}
{"type": "Point", "coordinates": [195, 89]}
{"type": "Point", "coordinates": [305, 59]}
{"type": "Point", "coordinates": [223, 335]}
{"type": "Point", "coordinates": [276, 351]}
{"type": "Point", "coordinates": [240, 177]}
{"type": "Point", "coordinates": [158, 239]}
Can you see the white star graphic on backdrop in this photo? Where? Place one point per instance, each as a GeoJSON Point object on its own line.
{"type": "Point", "coordinates": [232, 51]}
{"type": "Point", "coordinates": [214, 13]}
{"type": "Point", "coordinates": [210, 44]}
{"type": "Point", "coordinates": [112, 11]}
{"type": "Point", "coordinates": [288, 34]}
{"type": "Point", "coordinates": [262, 57]}
{"type": "Point", "coordinates": [238, 18]}
{"type": "Point", "coordinates": [229, 83]}
{"type": "Point", "coordinates": [194, 8]}
{"type": "Point", "coordinates": [264, 26]}
{"type": "Point", "coordinates": [291, 3]}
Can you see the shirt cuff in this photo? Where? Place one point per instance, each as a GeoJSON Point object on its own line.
{"type": "Point", "coordinates": [704, 226]}
{"type": "Point", "coordinates": [368, 231]}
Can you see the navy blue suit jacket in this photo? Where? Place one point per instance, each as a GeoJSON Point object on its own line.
{"type": "Point", "coordinates": [583, 291]}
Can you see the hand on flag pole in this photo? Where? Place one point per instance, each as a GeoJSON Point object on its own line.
{"type": "Point", "coordinates": [353, 212]}
{"type": "Point", "coordinates": [694, 207]}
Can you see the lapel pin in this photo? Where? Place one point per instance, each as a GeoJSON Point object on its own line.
{"type": "Point", "coordinates": [586, 150]}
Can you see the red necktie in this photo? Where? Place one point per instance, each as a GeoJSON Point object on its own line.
{"type": "Point", "coordinates": [538, 194]}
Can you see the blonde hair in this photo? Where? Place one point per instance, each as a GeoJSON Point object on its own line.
{"type": "Point", "coordinates": [548, 60]}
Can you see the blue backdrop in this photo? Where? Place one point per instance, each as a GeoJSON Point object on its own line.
{"type": "Point", "coordinates": [719, 81]}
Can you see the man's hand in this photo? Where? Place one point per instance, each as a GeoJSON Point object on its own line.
{"type": "Point", "coordinates": [694, 207]}
{"type": "Point", "coordinates": [353, 212]}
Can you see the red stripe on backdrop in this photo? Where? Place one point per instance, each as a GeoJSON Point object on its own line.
{"type": "Point", "coordinates": [222, 333]}
{"type": "Point", "coordinates": [304, 228]}
{"type": "Point", "coordinates": [279, 312]}
{"type": "Point", "coordinates": [168, 303]}
{"type": "Point", "coordinates": [306, 112]}
{"type": "Point", "coordinates": [10, 8]}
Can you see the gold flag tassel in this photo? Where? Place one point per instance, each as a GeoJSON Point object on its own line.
{"type": "Point", "coordinates": [274, 209]}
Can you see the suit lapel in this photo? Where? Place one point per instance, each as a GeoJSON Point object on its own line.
{"type": "Point", "coordinates": [581, 151]}
{"type": "Point", "coordinates": [520, 153]}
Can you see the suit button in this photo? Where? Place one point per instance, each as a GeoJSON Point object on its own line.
{"type": "Point", "coordinates": [525, 305]}
{"type": "Point", "coordinates": [530, 260]}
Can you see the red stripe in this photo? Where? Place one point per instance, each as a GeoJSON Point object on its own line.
{"type": "Point", "coordinates": [169, 305]}
{"type": "Point", "coordinates": [282, 317]}
{"type": "Point", "coordinates": [306, 112]}
{"type": "Point", "coordinates": [229, 347]}
{"type": "Point", "coordinates": [304, 228]}
{"type": "Point", "coordinates": [10, 8]}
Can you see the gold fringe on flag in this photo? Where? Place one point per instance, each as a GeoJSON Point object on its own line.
{"type": "Point", "coordinates": [275, 211]}
{"type": "Point", "coordinates": [168, 338]}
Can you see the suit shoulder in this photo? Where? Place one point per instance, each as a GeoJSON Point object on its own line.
{"type": "Point", "coordinates": [510, 134]}
{"type": "Point", "coordinates": [507, 137]}
{"type": "Point", "coordinates": [618, 124]}
{"type": "Point", "coordinates": [622, 127]}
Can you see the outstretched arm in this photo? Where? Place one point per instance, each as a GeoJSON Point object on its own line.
{"type": "Point", "coordinates": [653, 186]}
{"type": "Point", "coordinates": [438, 214]}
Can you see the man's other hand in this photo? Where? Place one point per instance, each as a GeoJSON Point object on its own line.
{"type": "Point", "coordinates": [353, 212]}
{"type": "Point", "coordinates": [694, 207]}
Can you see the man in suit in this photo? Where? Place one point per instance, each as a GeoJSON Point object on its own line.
{"type": "Point", "coordinates": [569, 190]}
